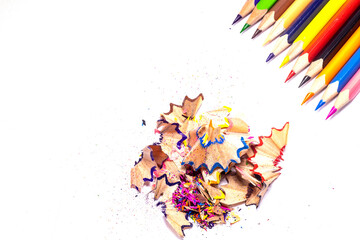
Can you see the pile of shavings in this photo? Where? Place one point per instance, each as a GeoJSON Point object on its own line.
{"type": "Point", "coordinates": [205, 165]}
{"type": "Point", "coordinates": [189, 199]}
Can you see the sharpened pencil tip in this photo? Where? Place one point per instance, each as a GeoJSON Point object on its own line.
{"type": "Point", "coordinates": [267, 40]}
{"type": "Point", "coordinates": [285, 61]}
{"type": "Point", "coordinates": [245, 27]}
{"type": "Point", "coordinates": [307, 97]}
{"type": "Point", "coordinates": [271, 56]}
{"type": "Point", "coordinates": [238, 18]}
{"type": "Point", "coordinates": [320, 104]}
{"type": "Point", "coordinates": [256, 33]}
{"type": "Point", "coordinates": [332, 111]}
{"type": "Point", "coordinates": [291, 74]}
{"type": "Point", "coordinates": [305, 80]}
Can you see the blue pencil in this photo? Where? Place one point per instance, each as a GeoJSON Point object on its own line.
{"type": "Point", "coordinates": [341, 79]}
{"type": "Point", "coordinates": [294, 30]}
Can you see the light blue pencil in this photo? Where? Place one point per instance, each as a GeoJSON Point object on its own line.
{"type": "Point", "coordinates": [341, 79]}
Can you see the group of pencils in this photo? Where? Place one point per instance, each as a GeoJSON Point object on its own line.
{"type": "Point", "coordinates": [325, 34]}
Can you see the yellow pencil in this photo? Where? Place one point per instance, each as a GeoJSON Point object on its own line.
{"type": "Point", "coordinates": [287, 18]}
{"type": "Point", "coordinates": [333, 67]}
{"type": "Point", "coordinates": [314, 27]}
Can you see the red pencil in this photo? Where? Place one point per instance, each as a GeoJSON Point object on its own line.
{"type": "Point", "coordinates": [324, 36]}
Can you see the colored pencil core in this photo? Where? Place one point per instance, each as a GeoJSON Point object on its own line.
{"type": "Point", "coordinates": [291, 74]}
{"type": "Point", "coordinates": [332, 111]}
{"type": "Point", "coordinates": [286, 60]}
{"type": "Point", "coordinates": [320, 104]}
{"type": "Point", "coordinates": [305, 79]}
{"type": "Point", "coordinates": [267, 40]}
{"type": "Point", "coordinates": [238, 17]}
{"type": "Point", "coordinates": [245, 27]}
{"type": "Point", "coordinates": [257, 32]}
{"type": "Point", "coordinates": [307, 97]}
{"type": "Point", "coordinates": [271, 56]}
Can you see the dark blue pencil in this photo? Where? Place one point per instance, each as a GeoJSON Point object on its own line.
{"type": "Point", "coordinates": [294, 30]}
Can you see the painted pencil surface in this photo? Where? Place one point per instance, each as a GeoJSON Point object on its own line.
{"type": "Point", "coordinates": [341, 79]}
{"type": "Point", "coordinates": [334, 66]}
{"type": "Point", "coordinates": [314, 27]}
{"type": "Point", "coordinates": [347, 94]}
{"type": "Point", "coordinates": [274, 14]}
{"type": "Point", "coordinates": [324, 36]}
{"type": "Point", "coordinates": [259, 11]}
{"type": "Point", "coordinates": [246, 10]}
{"type": "Point", "coordinates": [287, 18]}
{"type": "Point", "coordinates": [289, 36]}
{"type": "Point", "coordinates": [329, 51]}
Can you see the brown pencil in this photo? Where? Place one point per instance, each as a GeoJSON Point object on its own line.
{"type": "Point", "coordinates": [273, 15]}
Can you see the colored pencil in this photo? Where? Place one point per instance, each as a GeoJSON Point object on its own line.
{"type": "Point", "coordinates": [329, 51]}
{"type": "Point", "coordinates": [288, 36]}
{"type": "Point", "coordinates": [324, 36]}
{"type": "Point", "coordinates": [259, 11]}
{"type": "Point", "coordinates": [314, 27]}
{"type": "Point", "coordinates": [287, 18]}
{"type": "Point", "coordinates": [274, 14]}
{"type": "Point", "coordinates": [341, 79]}
{"type": "Point", "coordinates": [333, 67]}
{"type": "Point", "coordinates": [349, 92]}
{"type": "Point", "coordinates": [246, 10]}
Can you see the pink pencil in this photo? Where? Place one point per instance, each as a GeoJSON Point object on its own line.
{"type": "Point", "coordinates": [349, 92]}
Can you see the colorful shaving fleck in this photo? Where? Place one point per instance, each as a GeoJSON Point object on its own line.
{"type": "Point", "coordinates": [232, 218]}
{"type": "Point", "coordinates": [187, 198]}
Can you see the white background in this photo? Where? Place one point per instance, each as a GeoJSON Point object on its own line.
{"type": "Point", "coordinates": [77, 78]}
